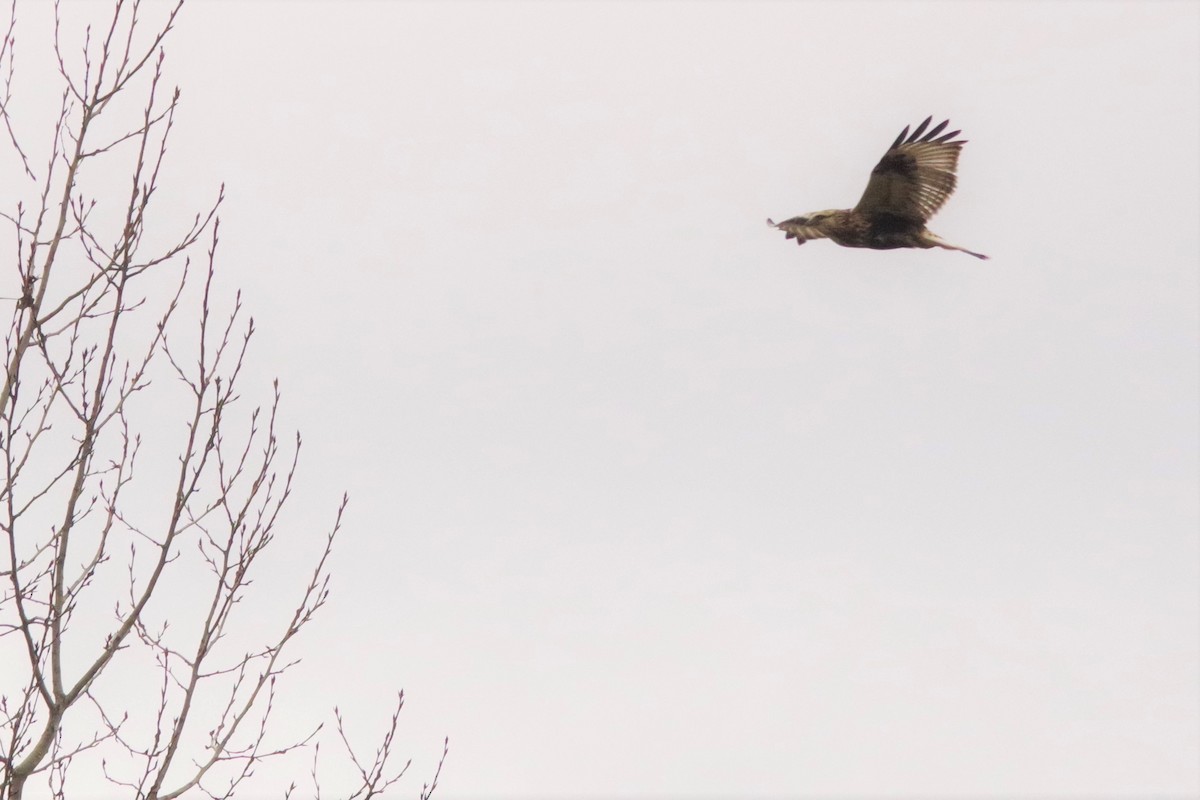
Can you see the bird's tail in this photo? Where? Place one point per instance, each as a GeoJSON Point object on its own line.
{"type": "Point", "coordinates": [937, 241]}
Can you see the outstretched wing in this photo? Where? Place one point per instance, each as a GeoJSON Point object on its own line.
{"type": "Point", "coordinates": [915, 177]}
{"type": "Point", "coordinates": [798, 228]}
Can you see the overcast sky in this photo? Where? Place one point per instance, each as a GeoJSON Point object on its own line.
{"type": "Point", "coordinates": [646, 500]}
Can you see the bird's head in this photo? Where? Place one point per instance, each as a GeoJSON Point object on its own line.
{"type": "Point", "coordinates": [817, 218]}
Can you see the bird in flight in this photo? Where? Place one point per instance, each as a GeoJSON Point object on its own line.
{"type": "Point", "coordinates": [910, 183]}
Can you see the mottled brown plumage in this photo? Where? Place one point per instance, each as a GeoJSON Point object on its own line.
{"type": "Point", "coordinates": [910, 183]}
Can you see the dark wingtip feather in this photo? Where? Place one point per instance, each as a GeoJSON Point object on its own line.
{"type": "Point", "coordinates": [899, 139]}
{"type": "Point", "coordinates": [916, 135]}
{"type": "Point", "coordinates": [937, 129]}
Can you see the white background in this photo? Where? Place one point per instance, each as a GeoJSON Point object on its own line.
{"type": "Point", "coordinates": [646, 500]}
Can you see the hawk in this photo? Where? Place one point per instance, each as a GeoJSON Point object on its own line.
{"type": "Point", "coordinates": [910, 183]}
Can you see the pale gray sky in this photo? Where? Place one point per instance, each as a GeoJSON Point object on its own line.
{"type": "Point", "coordinates": [646, 500]}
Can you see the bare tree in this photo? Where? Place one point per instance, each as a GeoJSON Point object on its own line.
{"type": "Point", "coordinates": [126, 588]}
